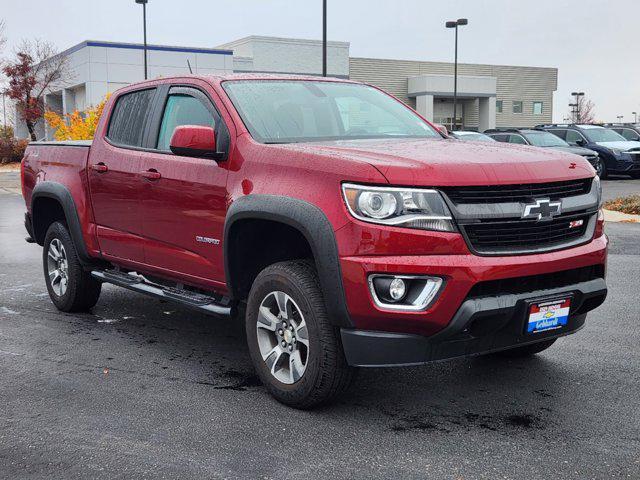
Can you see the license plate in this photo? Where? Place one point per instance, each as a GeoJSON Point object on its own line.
{"type": "Point", "coordinates": [548, 315]}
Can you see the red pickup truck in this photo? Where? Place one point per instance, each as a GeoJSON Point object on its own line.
{"type": "Point", "coordinates": [339, 225]}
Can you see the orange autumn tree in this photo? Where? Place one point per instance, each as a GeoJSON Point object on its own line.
{"type": "Point", "coordinates": [76, 125]}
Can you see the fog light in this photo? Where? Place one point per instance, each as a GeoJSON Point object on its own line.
{"type": "Point", "coordinates": [397, 289]}
{"type": "Point", "coordinates": [404, 292]}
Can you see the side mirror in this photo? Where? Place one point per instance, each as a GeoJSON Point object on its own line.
{"type": "Point", "coordinates": [580, 142]}
{"type": "Point", "coordinates": [442, 129]}
{"type": "Point", "coordinates": [194, 141]}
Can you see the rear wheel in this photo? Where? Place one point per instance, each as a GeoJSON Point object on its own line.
{"type": "Point", "coordinates": [527, 350]}
{"type": "Point", "coordinates": [296, 351]}
{"type": "Point", "coordinates": [71, 289]}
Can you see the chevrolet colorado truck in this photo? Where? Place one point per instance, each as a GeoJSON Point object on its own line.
{"type": "Point", "coordinates": [341, 227]}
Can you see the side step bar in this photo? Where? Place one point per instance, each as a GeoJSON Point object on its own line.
{"type": "Point", "coordinates": [138, 283]}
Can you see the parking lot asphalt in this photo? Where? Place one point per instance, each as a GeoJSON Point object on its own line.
{"type": "Point", "coordinates": [144, 389]}
{"type": "Point", "coordinates": [620, 187]}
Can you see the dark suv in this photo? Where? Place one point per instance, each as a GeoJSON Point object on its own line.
{"type": "Point", "coordinates": [630, 131]}
{"type": "Point", "coordinates": [618, 155]}
{"type": "Point", "coordinates": [540, 138]}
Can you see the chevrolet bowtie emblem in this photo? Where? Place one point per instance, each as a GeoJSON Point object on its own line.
{"type": "Point", "coordinates": [542, 209]}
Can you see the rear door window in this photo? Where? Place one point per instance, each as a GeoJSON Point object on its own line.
{"type": "Point", "coordinates": [129, 118]}
{"type": "Point", "coordinates": [517, 139]}
{"type": "Point", "coordinates": [559, 133]}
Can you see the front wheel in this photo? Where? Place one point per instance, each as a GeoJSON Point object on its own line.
{"type": "Point", "coordinates": [296, 351]}
{"type": "Point", "coordinates": [601, 168]}
{"type": "Point", "coordinates": [70, 287]}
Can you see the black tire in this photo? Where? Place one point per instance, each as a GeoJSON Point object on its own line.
{"type": "Point", "coordinates": [527, 350]}
{"type": "Point", "coordinates": [82, 290]}
{"type": "Point", "coordinates": [327, 374]}
{"type": "Point", "coordinates": [602, 170]}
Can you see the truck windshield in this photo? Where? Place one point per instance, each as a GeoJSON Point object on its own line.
{"type": "Point", "coordinates": [290, 111]}
{"type": "Point", "coordinates": [545, 139]}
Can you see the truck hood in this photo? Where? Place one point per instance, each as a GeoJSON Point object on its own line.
{"type": "Point", "coordinates": [439, 162]}
{"type": "Point", "coordinates": [624, 146]}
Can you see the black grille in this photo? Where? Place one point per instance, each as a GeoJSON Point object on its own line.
{"type": "Point", "coordinates": [532, 283]}
{"type": "Point", "coordinates": [517, 193]}
{"type": "Point", "coordinates": [513, 235]}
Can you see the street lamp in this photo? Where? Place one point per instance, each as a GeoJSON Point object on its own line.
{"type": "Point", "coordinates": [620, 118]}
{"type": "Point", "coordinates": [577, 105]}
{"type": "Point", "coordinates": [324, 38]}
{"type": "Point", "coordinates": [635, 117]}
{"type": "Point", "coordinates": [455, 24]}
{"type": "Point", "coordinates": [144, 29]}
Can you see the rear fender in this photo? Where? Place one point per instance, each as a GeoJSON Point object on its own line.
{"type": "Point", "coordinates": [59, 193]}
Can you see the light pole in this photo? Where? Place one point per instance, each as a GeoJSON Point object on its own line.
{"type": "Point", "coordinates": [577, 104]}
{"type": "Point", "coordinates": [574, 112]}
{"type": "Point", "coordinates": [455, 24]}
{"type": "Point", "coordinates": [620, 118]}
{"type": "Point", "coordinates": [635, 117]}
{"type": "Point", "coordinates": [324, 38]}
{"type": "Point", "coordinates": [144, 29]}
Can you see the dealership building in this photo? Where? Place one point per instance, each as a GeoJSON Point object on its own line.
{"type": "Point", "coordinates": [489, 96]}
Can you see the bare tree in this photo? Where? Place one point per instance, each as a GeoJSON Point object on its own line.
{"type": "Point", "coordinates": [35, 70]}
{"type": "Point", "coordinates": [3, 39]}
{"type": "Point", "coordinates": [585, 111]}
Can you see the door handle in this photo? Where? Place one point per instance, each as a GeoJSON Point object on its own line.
{"type": "Point", "coordinates": [151, 174]}
{"type": "Point", "coordinates": [100, 167]}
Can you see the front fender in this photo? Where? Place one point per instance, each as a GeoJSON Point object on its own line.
{"type": "Point", "coordinates": [312, 223]}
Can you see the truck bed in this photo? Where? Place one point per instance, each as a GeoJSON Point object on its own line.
{"type": "Point", "coordinates": [64, 143]}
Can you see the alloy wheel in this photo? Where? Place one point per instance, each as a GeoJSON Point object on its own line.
{"type": "Point", "coordinates": [283, 338]}
{"type": "Point", "coordinates": [58, 267]}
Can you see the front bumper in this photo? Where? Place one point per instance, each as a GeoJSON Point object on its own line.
{"type": "Point", "coordinates": [627, 163]}
{"type": "Point", "coordinates": [461, 273]}
{"type": "Point", "coordinates": [481, 325]}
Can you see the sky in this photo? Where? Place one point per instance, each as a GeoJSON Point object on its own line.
{"type": "Point", "coordinates": [593, 43]}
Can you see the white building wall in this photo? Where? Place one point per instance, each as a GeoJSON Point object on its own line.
{"type": "Point", "coordinates": [99, 68]}
{"type": "Point", "coordinates": [289, 55]}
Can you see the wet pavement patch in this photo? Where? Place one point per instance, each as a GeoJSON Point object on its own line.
{"type": "Point", "coordinates": [243, 381]}
{"type": "Point", "coordinates": [523, 421]}
{"type": "Point", "coordinates": [445, 422]}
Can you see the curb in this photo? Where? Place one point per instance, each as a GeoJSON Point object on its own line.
{"type": "Point", "coordinates": [619, 217]}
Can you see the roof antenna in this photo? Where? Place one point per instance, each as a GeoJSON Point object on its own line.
{"type": "Point", "coordinates": [189, 65]}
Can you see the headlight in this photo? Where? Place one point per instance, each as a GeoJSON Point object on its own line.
{"type": "Point", "coordinates": [598, 185]}
{"type": "Point", "coordinates": [403, 207]}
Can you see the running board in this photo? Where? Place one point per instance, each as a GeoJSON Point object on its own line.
{"type": "Point", "coordinates": [138, 283]}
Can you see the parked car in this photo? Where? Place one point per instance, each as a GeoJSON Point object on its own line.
{"type": "Point", "coordinates": [341, 240]}
{"type": "Point", "coordinates": [630, 131]}
{"type": "Point", "coordinates": [471, 136]}
{"type": "Point", "coordinates": [542, 139]}
{"type": "Point", "coordinates": [618, 155]}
